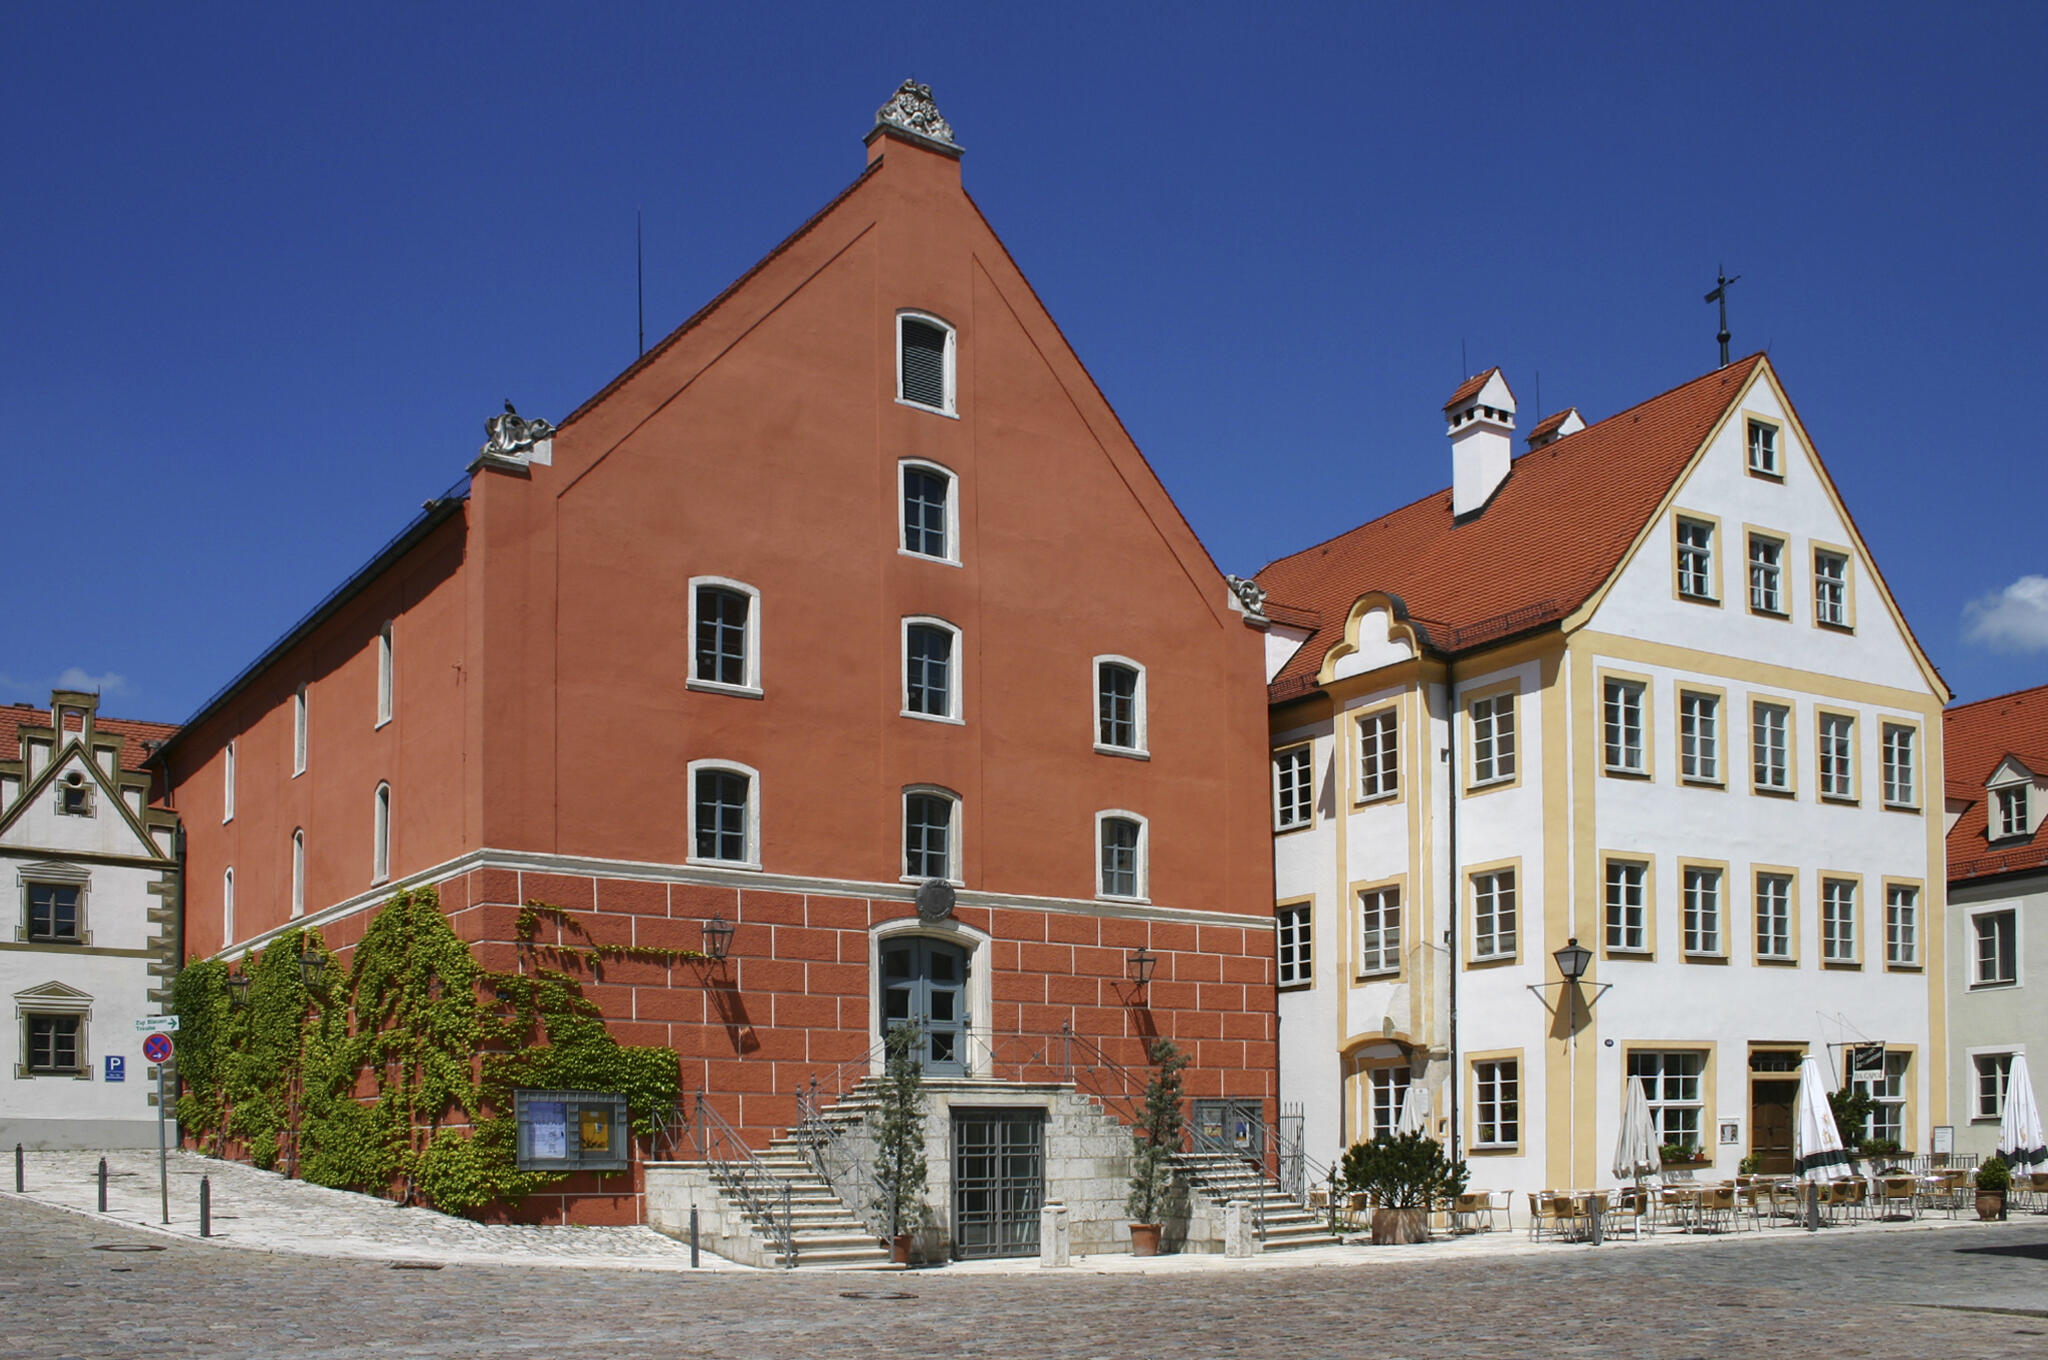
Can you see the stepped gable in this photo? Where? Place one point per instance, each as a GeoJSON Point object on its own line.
{"type": "Point", "coordinates": [1976, 739]}
{"type": "Point", "coordinates": [1551, 535]}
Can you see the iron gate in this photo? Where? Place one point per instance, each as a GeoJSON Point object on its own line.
{"type": "Point", "coordinates": [998, 1181]}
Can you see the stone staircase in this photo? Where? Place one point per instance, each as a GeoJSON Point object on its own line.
{"type": "Point", "coordinates": [1221, 1178]}
{"type": "Point", "coordinates": [826, 1234]}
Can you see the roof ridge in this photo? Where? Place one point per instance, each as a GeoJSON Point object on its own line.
{"type": "Point", "coordinates": [1995, 698]}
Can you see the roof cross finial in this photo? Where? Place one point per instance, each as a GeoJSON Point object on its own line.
{"type": "Point", "coordinates": [1720, 295]}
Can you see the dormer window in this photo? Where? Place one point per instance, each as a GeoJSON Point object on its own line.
{"type": "Point", "coordinates": [2012, 812]}
{"type": "Point", "coordinates": [924, 362]}
{"type": "Point", "coordinates": [74, 795]}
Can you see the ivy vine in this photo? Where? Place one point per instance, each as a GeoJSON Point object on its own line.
{"type": "Point", "coordinates": [402, 1073]}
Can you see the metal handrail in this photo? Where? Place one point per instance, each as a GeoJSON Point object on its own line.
{"type": "Point", "coordinates": [739, 1173]}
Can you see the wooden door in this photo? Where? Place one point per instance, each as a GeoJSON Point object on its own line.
{"type": "Point", "coordinates": [1770, 1125]}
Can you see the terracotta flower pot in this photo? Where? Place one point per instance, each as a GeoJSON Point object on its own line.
{"type": "Point", "coordinates": [1144, 1239]}
{"type": "Point", "coordinates": [1990, 1204]}
{"type": "Point", "coordinates": [1399, 1227]}
{"type": "Point", "coordinates": [899, 1249]}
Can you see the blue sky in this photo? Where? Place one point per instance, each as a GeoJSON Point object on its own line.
{"type": "Point", "coordinates": [265, 270]}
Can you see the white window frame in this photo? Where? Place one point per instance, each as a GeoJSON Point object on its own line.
{"type": "Point", "coordinates": [380, 844]}
{"type": "Point", "coordinates": [387, 679]}
{"type": "Point", "coordinates": [1980, 918]}
{"type": "Point", "coordinates": [1770, 745]}
{"type": "Point", "coordinates": [56, 876]}
{"type": "Point", "coordinates": [1695, 558]}
{"type": "Point", "coordinates": [1767, 575]}
{"type": "Point", "coordinates": [1887, 1091]}
{"type": "Point", "coordinates": [1835, 770]}
{"type": "Point", "coordinates": [227, 779]}
{"type": "Point", "coordinates": [2000, 1062]}
{"type": "Point", "coordinates": [1838, 926]}
{"type": "Point", "coordinates": [1625, 925]}
{"type": "Point", "coordinates": [1143, 865]}
{"type": "Point", "coordinates": [227, 906]}
{"type": "Point", "coordinates": [2015, 811]}
{"type": "Point", "coordinates": [750, 686]}
{"type": "Point", "coordinates": [1294, 792]}
{"type": "Point", "coordinates": [1494, 897]}
{"type": "Point", "coordinates": [1703, 905]}
{"type": "Point", "coordinates": [904, 467]}
{"type": "Point", "coordinates": [1901, 925]}
{"type": "Point", "coordinates": [955, 656]}
{"type": "Point", "coordinates": [1294, 944]}
{"type": "Point", "coordinates": [1621, 711]}
{"type": "Point", "coordinates": [955, 832]}
{"type": "Point", "coordinates": [1382, 956]}
{"type": "Point", "coordinates": [1763, 455]}
{"type": "Point", "coordinates": [1699, 736]}
{"type": "Point", "coordinates": [950, 408]}
{"type": "Point", "coordinates": [1139, 734]}
{"type": "Point", "coordinates": [1691, 1068]}
{"type": "Point", "coordinates": [1831, 591]}
{"type": "Point", "coordinates": [1494, 733]}
{"type": "Point", "coordinates": [1387, 1092]}
{"type": "Point", "coordinates": [752, 858]}
{"type": "Point", "coordinates": [299, 734]}
{"type": "Point", "coordinates": [1379, 754]}
{"type": "Point", "coordinates": [299, 872]}
{"type": "Point", "coordinates": [1496, 1086]}
{"type": "Point", "coordinates": [1900, 744]}
{"type": "Point", "coordinates": [1776, 928]}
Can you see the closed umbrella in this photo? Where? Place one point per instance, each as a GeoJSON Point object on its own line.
{"type": "Point", "coordinates": [1817, 1152]}
{"type": "Point", "coordinates": [1414, 1117]}
{"type": "Point", "coordinates": [2020, 1140]}
{"type": "Point", "coordinates": [1639, 1153]}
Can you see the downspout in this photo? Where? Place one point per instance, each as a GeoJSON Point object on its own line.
{"type": "Point", "coordinates": [1457, 1084]}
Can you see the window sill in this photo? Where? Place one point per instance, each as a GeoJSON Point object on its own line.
{"type": "Point", "coordinates": [1492, 960]}
{"type": "Point", "coordinates": [1127, 752]}
{"type": "Point", "coordinates": [1293, 827]}
{"type": "Point", "coordinates": [1695, 781]}
{"type": "Point", "coordinates": [1118, 897]}
{"type": "Point", "coordinates": [1768, 792]}
{"type": "Point", "coordinates": [714, 687]}
{"type": "Point", "coordinates": [927, 557]}
{"type": "Point", "coordinates": [933, 718]}
{"type": "Point", "coordinates": [1765, 474]}
{"type": "Point", "coordinates": [381, 723]}
{"type": "Point", "coordinates": [752, 866]}
{"type": "Point", "coordinates": [1843, 965]}
{"type": "Point", "coordinates": [1302, 986]}
{"type": "Point", "coordinates": [1705, 956]}
{"type": "Point", "coordinates": [1780, 615]}
{"type": "Point", "coordinates": [1494, 785]}
{"type": "Point", "coordinates": [1368, 799]}
{"type": "Point", "coordinates": [928, 410]}
{"type": "Point", "coordinates": [1840, 799]}
{"type": "Point", "coordinates": [1905, 967]}
{"type": "Point", "coordinates": [900, 878]}
{"type": "Point", "coordinates": [60, 941]}
{"type": "Point", "coordinates": [1913, 808]}
{"type": "Point", "coordinates": [1994, 986]}
{"type": "Point", "coordinates": [1624, 772]}
{"type": "Point", "coordinates": [1378, 975]}
{"type": "Point", "coordinates": [1691, 598]}
{"type": "Point", "coordinates": [1496, 1149]}
{"type": "Point", "coordinates": [1629, 955]}
{"type": "Point", "coordinates": [1847, 629]}
{"type": "Point", "coordinates": [1778, 960]}
{"type": "Point", "coordinates": [296, 773]}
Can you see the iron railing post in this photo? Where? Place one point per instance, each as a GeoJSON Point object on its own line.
{"type": "Point", "coordinates": [788, 1229]}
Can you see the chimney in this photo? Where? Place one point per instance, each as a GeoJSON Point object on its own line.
{"type": "Point", "coordinates": [1554, 427]}
{"type": "Point", "coordinates": [1481, 420]}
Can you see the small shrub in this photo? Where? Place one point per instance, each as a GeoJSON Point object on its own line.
{"type": "Point", "coordinates": [1404, 1171]}
{"type": "Point", "coordinates": [1994, 1177]}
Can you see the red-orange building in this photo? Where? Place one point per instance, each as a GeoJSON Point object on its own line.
{"type": "Point", "coordinates": [853, 581]}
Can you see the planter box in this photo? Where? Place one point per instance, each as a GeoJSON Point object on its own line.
{"type": "Point", "coordinates": [1399, 1227]}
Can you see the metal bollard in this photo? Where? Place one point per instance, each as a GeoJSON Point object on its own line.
{"type": "Point", "coordinates": [20, 1176]}
{"type": "Point", "coordinates": [1813, 1207]}
{"type": "Point", "coordinates": [693, 1237]}
{"type": "Point", "coordinates": [205, 1207]}
{"type": "Point", "coordinates": [103, 1185]}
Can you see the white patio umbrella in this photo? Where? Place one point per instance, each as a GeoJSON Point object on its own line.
{"type": "Point", "coordinates": [1639, 1154]}
{"type": "Point", "coordinates": [1414, 1117]}
{"type": "Point", "coordinates": [1817, 1152]}
{"type": "Point", "coordinates": [2020, 1140]}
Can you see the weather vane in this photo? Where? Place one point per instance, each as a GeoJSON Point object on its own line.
{"type": "Point", "coordinates": [1720, 295]}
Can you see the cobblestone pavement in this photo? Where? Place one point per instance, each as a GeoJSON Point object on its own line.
{"type": "Point", "coordinates": [1791, 1296]}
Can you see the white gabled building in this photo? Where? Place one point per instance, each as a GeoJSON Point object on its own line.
{"type": "Point", "coordinates": [92, 871]}
{"type": "Point", "coordinates": [1642, 688]}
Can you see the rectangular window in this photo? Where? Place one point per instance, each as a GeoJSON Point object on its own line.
{"type": "Point", "coordinates": [1493, 739]}
{"type": "Point", "coordinates": [1838, 920]}
{"type": "Point", "coordinates": [1389, 1094]}
{"type": "Point", "coordinates": [1379, 755]}
{"type": "Point", "coordinates": [1702, 911]}
{"type": "Point", "coordinates": [1379, 931]}
{"type": "Point", "coordinates": [928, 670]}
{"type": "Point", "coordinates": [722, 635]}
{"type": "Point", "coordinates": [2012, 812]}
{"type": "Point", "coordinates": [1696, 559]}
{"type": "Point", "coordinates": [1773, 916]}
{"type": "Point", "coordinates": [1293, 788]}
{"type": "Point", "coordinates": [722, 815]}
{"type": "Point", "coordinates": [1901, 782]}
{"type": "Point", "coordinates": [1830, 588]}
{"type": "Point", "coordinates": [1120, 854]}
{"type": "Point", "coordinates": [1699, 736]}
{"type": "Point", "coordinates": [384, 675]}
{"type": "Point", "coordinates": [1766, 575]}
{"type": "Point", "coordinates": [53, 911]}
{"type": "Point", "coordinates": [1296, 950]}
{"type": "Point", "coordinates": [928, 836]}
{"type": "Point", "coordinates": [53, 1044]}
{"type": "Point", "coordinates": [1493, 914]}
{"type": "Point", "coordinates": [1771, 760]}
{"type": "Point", "coordinates": [1672, 1082]}
{"type": "Point", "coordinates": [1119, 709]}
{"type": "Point", "coordinates": [925, 377]}
{"type": "Point", "coordinates": [1622, 728]}
{"type": "Point", "coordinates": [1886, 1087]}
{"type": "Point", "coordinates": [1763, 449]}
{"type": "Point", "coordinates": [1497, 1097]}
{"type": "Point", "coordinates": [1997, 952]}
{"type": "Point", "coordinates": [1902, 925]}
{"type": "Point", "coordinates": [299, 731]}
{"type": "Point", "coordinates": [926, 514]}
{"type": "Point", "coordinates": [1627, 918]}
{"type": "Point", "coordinates": [1837, 755]}
{"type": "Point", "coordinates": [1994, 1076]}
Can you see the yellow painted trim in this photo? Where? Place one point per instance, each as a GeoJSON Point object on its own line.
{"type": "Point", "coordinates": [1716, 546]}
{"type": "Point", "coordinates": [1347, 642]}
{"type": "Point", "coordinates": [1472, 873]}
{"type": "Point", "coordinates": [1719, 868]}
{"type": "Point", "coordinates": [1710, 1123]}
{"type": "Point", "coordinates": [1758, 674]}
{"type": "Point", "coordinates": [1313, 815]}
{"type": "Point", "coordinates": [1571, 767]}
{"type": "Point", "coordinates": [1358, 1082]}
{"type": "Point", "coordinates": [1848, 556]}
{"type": "Point", "coordinates": [1510, 690]}
{"type": "Point", "coordinates": [1471, 1111]}
{"type": "Point", "coordinates": [1719, 779]}
{"type": "Point", "coordinates": [1860, 909]}
{"type": "Point", "coordinates": [1649, 863]}
{"type": "Point", "coordinates": [1791, 711]}
{"type": "Point", "coordinates": [1753, 534]}
{"type": "Point", "coordinates": [1304, 900]}
{"type": "Point", "coordinates": [1919, 887]}
{"type": "Point", "coordinates": [1934, 924]}
{"type": "Point", "coordinates": [1355, 926]}
{"type": "Point", "coordinates": [1821, 713]}
{"type": "Point", "coordinates": [1756, 954]}
{"type": "Point", "coordinates": [1355, 720]}
{"type": "Point", "coordinates": [1918, 798]}
{"type": "Point", "coordinates": [1777, 426]}
{"type": "Point", "coordinates": [1647, 707]}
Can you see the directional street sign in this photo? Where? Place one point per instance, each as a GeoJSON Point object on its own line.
{"type": "Point", "coordinates": [157, 1048]}
{"type": "Point", "coordinates": [157, 1024]}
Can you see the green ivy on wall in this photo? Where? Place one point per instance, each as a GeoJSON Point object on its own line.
{"type": "Point", "coordinates": [402, 1073]}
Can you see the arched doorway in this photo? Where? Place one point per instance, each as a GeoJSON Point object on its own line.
{"type": "Point", "coordinates": [924, 981]}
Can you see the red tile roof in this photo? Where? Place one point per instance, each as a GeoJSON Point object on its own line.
{"type": "Point", "coordinates": [1469, 388]}
{"type": "Point", "coordinates": [133, 732]}
{"type": "Point", "coordinates": [1549, 423]}
{"type": "Point", "coordinates": [1555, 530]}
{"type": "Point", "coordinates": [1976, 739]}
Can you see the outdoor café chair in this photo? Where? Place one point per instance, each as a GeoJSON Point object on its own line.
{"type": "Point", "coordinates": [1636, 1207]}
{"type": "Point", "coordinates": [1852, 1199]}
{"type": "Point", "coordinates": [1542, 1215]}
{"type": "Point", "coordinates": [2037, 1192]}
{"type": "Point", "coordinates": [1896, 1190]}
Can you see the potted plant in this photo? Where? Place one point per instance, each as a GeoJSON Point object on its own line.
{"type": "Point", "coordinates": [1682, 1154]}
{"type": "Point", "coordinates": [1404, 1174]}
{"type": "Point", "coordinates": [1994, 1178]}
{"type": "Point", "coordinates": [899, 1139]}
{"type": "Point", "coordinates": [1153, 1144]}
{"type": "Point", "coordinates": [1747, 1166]}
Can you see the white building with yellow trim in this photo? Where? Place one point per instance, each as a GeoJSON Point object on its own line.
{"type": "Point", "coordinates": [1641, 687]}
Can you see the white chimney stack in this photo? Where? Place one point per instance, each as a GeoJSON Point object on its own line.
{"type": "Point", "coordinates": [1481, 418]}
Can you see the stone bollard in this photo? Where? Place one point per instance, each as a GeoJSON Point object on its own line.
{"type": "Point", "coordinates": [1055, 1240]}
{"type": "Point", "coordinates": [1237, 1230]}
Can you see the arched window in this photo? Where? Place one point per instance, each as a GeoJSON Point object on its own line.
{"type": "Point", "coordinates": [299, 872]}
{"type": "Point", "coordinates": [1120, 840]}
{"type": "Point", "coordinates": [725, 636]}
{"type": "Point", "coordinates": [227, 907]}
{"type": "Point", "coordinates": [924, 362]}
{"type": "Point", "coordinates": [227, 774]}
{"type": "Point", "coordinates": [930, 511]}
{"type": "Point", "coordinates": [299, 732]}
{"type": "Point", "coordinates": [931, 841]}
{"type": "Point", "coordinates": [380, 864]}
{"type": "Point", "coordinates": [1119, 706]}
{"type": "Point", "coordinates": [725, 814]}
{"type": "Point", "coordinates": [384, 673]}
{"type": "Point", "coordinates": [931, 669]}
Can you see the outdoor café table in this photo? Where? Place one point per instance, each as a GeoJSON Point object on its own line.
{"type": "Point", "coordinates": [1682, 1200]}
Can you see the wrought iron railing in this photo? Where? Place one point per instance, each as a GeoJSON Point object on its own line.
{"type": "Point", "coordinates": [743, 1177]}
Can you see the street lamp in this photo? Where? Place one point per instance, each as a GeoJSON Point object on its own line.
{"type": "Point", "coordinates": [1141, 965]}
{"type": "Point", "coordinates": [238, 990]}
{"type": "Point", "coordinates": [1572, 960]}
{"type": "Point", "coordinates": [717, 937]}
{"type": "Point", "coordinates": [312, 967]}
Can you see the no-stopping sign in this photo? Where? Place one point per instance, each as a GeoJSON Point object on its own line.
{"type": "Point", "coordinates": [157, 1048]}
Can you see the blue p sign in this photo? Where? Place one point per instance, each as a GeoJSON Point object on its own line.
{"type": "Point", "coordinates": [117, 1067]}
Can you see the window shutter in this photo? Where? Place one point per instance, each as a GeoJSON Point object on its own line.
{"type": "Point", "coordinates": [924, 363]}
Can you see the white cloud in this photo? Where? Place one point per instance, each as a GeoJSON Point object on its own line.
{"type": "Point", "coordinates": [76, 677]}
{"type": "Point", "coordinates": [2014, 619]}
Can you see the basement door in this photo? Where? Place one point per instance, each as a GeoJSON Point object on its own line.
{"type": "Point", "coordinates": [925, 982]}
{"type": "Point", "coordinates": [998, 1181]}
